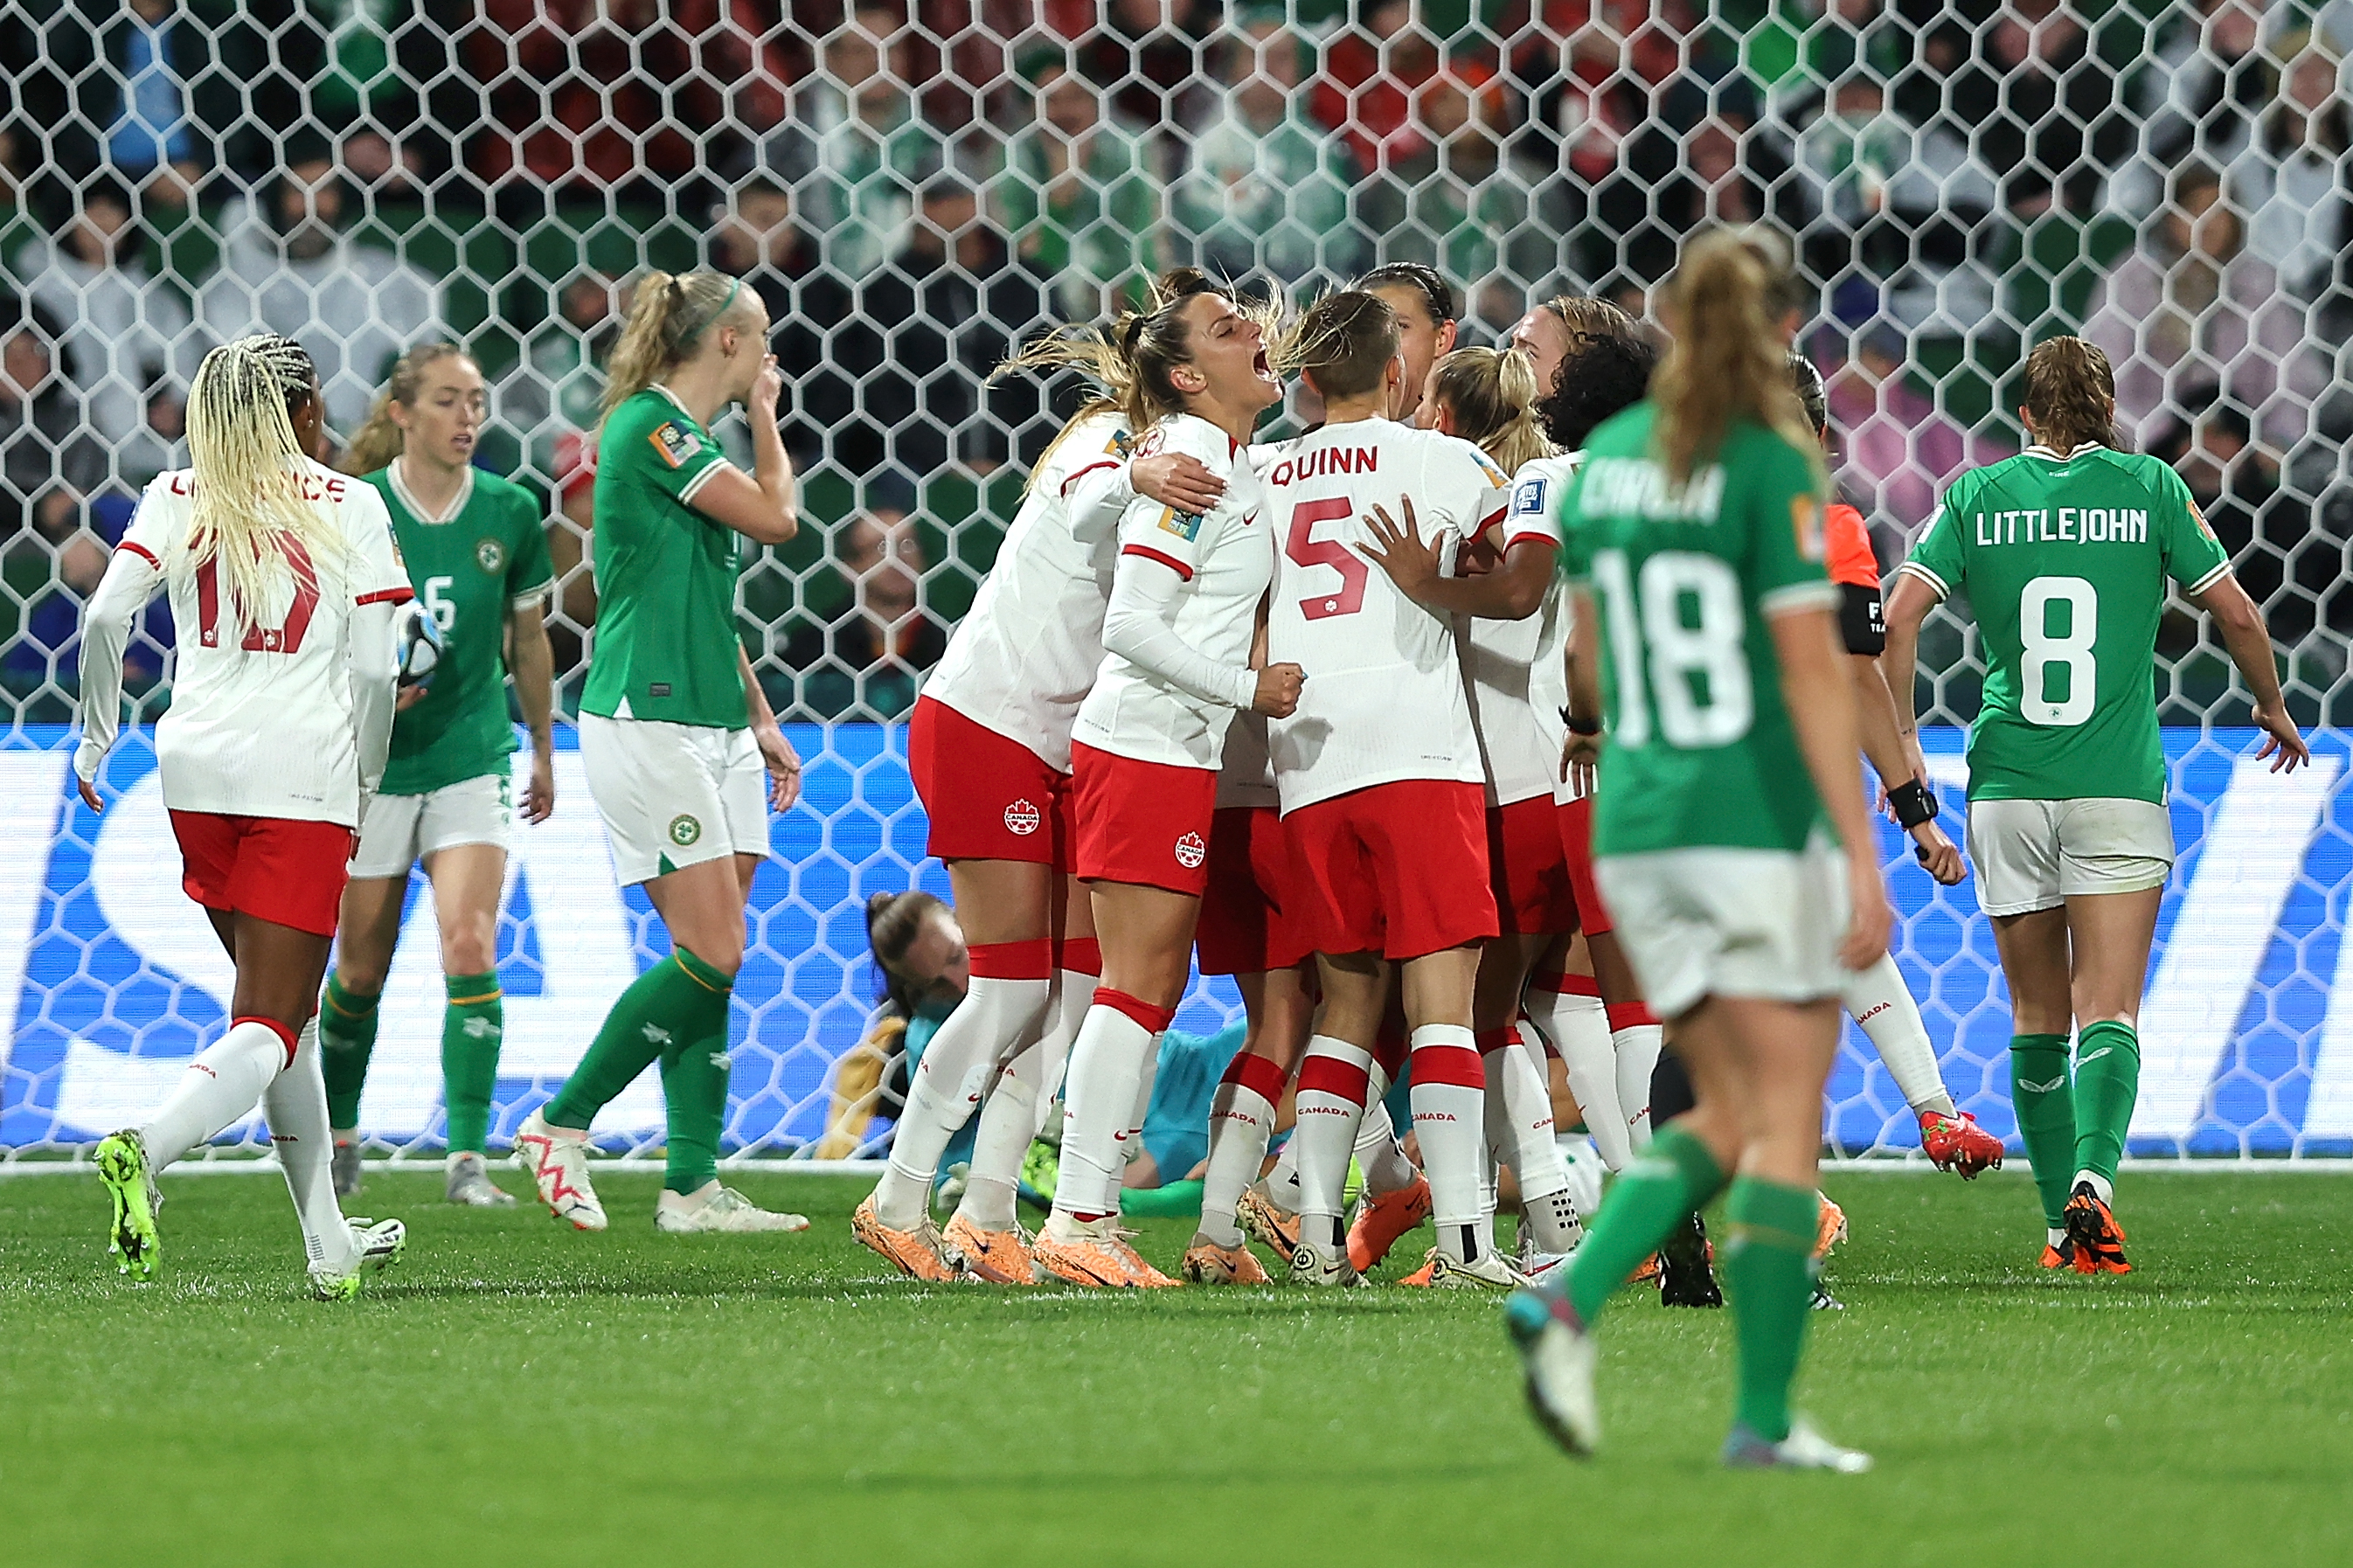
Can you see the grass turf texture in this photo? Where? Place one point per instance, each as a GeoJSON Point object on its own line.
{"type": "Point", "coordinates": [518, 1390]}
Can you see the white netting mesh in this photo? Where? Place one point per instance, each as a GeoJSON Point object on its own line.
{"type": "Point", "coordinates": [913, 187]}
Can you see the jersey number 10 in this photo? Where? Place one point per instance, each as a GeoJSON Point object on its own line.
{"type": "Point", "coordinates": [1697, 674]}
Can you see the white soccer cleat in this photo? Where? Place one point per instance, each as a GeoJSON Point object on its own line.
{"type": "Point", "coordinates": [717, 1209]}
{"type": "Point", "coordinates": [1559, 1356]}
{"type": "Point", "coordinates": [1803, 1449]}
{"type": "Point", "coordinates": [1312, 1264]}
{"type": "Point", "coordinates": [556, 1160]}
{"type": "Point", "coordinates": [467, 1183]}
{"type": "Point", "coordinates": [1489, 1272]}
{"type": "Point", "coordinates": [376, 1244]}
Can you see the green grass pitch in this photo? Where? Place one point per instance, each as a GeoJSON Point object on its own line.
{"type": "Point", "coordinates": [521, 1394]}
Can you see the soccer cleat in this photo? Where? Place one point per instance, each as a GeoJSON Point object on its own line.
{"type": "Point", "coordinates": [556, 1159]}
{"type": "Point", "coordinates": [1207, 1263]}
{"type": "Point", "coordinates": [1382, 1218]}
{"type": "Point", "coordinates": [1824, 1301]}
{"type": "Point", "coordinates": [1559, 1356]}
{"type": "Point", "coordinates": [919, 1254]}
{"type": "Point", "coordinates": [1262, 1220]}
{"type": "Point", "coordinates": [998, 1256]}
{"type": "Point", "coordinates": [131, 1187]}
{"type": "Point", "coordinates": [1098, 1257]}
{"type": "Point", "coordinates": [2091, 1227]}
{"type": "Point", "coordinates": [1959, 1143]}
{"type": "Point", "coordinates": [1830, 1227]}
{"type": "Point", "coordinates": [347, 1167]}
{"type": "Point", "coordinates": [1487, 1272]}
{"type": "Point", "coordinates": [1646, 1269]}
{"type": "Point", "coordinates": [1687, 1267]}
{"type": "Point", "coordinates": [1314, 1265]}
{"type": "Point", "coordinates": [713, 1209]}
{"type": "Point", "coordinates": [467, 1183]}
{"type": "Point", "coordinates": [379, 1244]}
{"type": "Point", "coordinates": [2061, 1255]}
{"type": "Point", "coordinates": [1803, 1449]}
{"type": "Point", "coordinates": [1041, 1173]}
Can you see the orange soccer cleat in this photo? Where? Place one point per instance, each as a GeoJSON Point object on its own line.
{"type": "Point", "coordinates": [1207, 1263]}
{"type": "Point", "coordinates": [1262, 1221]}
{"type": "Point", "coordinates": [919, 1254]}
{"type": "Point", "coordinates": [2060, 1254]}
{"type": "Point", "coordinates": [1098, 1257]}
{"type": "Point", "coordinates": [1382, 1218]}
{"type": "Point", "coordinates": [998, 1256]}
{"type": "Point", "coordinates": [1957, 1144]}
{"type": "Point", "coordinates": [1829, 1228]}
{"type": "Point", "coordinates": [2091, 1227]}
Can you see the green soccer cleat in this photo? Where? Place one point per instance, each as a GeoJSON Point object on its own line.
{"type": "Point", "coordinates": [122, 1167]}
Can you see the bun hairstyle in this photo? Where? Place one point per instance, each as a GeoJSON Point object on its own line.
{"type": "Point", "coordinates": [381, 439]}
{"type": "Point", "coordinates": [1343, 344]}
{"type": "Point", "coordinates": [1491, 394]}
{"type": "Point", "coordinates": [2072, 392]}
{"type": "Point", "coordinates": [1605, 373]}
{"type": "Point", "coordinates": [893, 921]}
{"type": "Point", "coordinates": [1727, 364]}
{"type": "Point", "coordinates": [249, 472]}
{"type": "Point", "coordinates": [1437, 293]}
{"type": "Point", "coordinates": [669, 315]}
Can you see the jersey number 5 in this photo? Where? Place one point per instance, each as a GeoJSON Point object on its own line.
{"type": "Point", "coordinates": [1305, 550]}
{"type": "Point", "coordinates": [285, 637]}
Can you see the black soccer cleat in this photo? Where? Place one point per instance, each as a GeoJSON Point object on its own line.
{"type": "Point", "coordinates": [1686, 1268]}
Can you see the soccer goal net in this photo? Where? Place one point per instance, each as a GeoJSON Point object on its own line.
{"type": "Point", "coordinates": [915, 186]}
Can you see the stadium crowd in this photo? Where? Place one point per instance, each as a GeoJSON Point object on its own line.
{"type": "Point", "coordinates": [914, 189]}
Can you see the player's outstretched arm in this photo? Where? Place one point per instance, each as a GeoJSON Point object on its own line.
{"type": "Point", "coordinates": [1820, 702]}
{"type": "Point", "coordinates": [1915, 807]}
{"type": "Point", "coordinates": [1907, 606]}
{"type": "Point", "coordinates": [534, 663]}
{"type": "Point", "coordinates": [130, 581]}
{"type": "Point", "coordinates": [1513, 591]}
{"type": "Point", "coordinates": [2249, 644]}
{"type": "Point", "coordinates": [776, 753]}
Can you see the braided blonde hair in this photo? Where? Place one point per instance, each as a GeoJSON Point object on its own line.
{"type": "Point", "coordinates": [248, 490]}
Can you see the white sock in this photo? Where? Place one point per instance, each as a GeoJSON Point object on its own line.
{"type": "Point", "coordinates": [1017, 1107]}
{"type": "Point", "coordinates": [1098, 1092]}
{"type": "Point", "coordinates": [1241, 1118]}
{"type": "Point", "coordinates": [1334, 1077]}
{"type": "Point", "coordinates": [1145, 1079]}
{"type": "Point", "coordinates": [218, 1090]}
{"type": "Point", "coordinates": [1638, 1046]}
{"type": "Point", "coordinates": [994, 1017]}
{"type": "Point", "coordinates": [2057, 1234]}
{"type": "Point", "coordinates": [1878, 999]}
{"type": "Point", "coordinates": [1449, 1122]}
{"type": "Point", "coordinates": [1520, 1134]}
{"type": "Point", "coordinates": [1282, 1184]}
{"type": "Point", "coordinates": [1585, 1169]}
{"type": "Point", "coordinates": [295, 1105]}
{"type": "Point", "coordinates": [1379, 1153]}
{"type": "Point", "coordinates": [2102, 1188]}
{"type": "Point", "coordinates": [1578, 1028]}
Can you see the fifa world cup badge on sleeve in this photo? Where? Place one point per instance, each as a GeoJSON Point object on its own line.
{"type": "Point", "coordinates": [1806, 518]}
{"type": "Point", "coordinates": [1183, 524]}
{"type": "Point", "coordinates": [675, 442]}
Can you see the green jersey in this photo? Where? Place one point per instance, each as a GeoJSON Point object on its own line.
{"type": "Point", "coordinates": [1700, 750]}
{"type": "Point", "coordinates": [486, 556]}
{"type": "Point", "coordinates": [666, 646]}
{"type": "Point", "coordinates": [2064, 560]}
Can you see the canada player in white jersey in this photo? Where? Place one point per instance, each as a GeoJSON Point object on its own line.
{"type": "Point", "coordinates": [284, 581]}
{"type": "Point", "coordinates": [1383, 792]}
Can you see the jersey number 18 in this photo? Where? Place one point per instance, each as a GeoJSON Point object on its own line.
{"type": "Point", "coordinates": [1696, 673]}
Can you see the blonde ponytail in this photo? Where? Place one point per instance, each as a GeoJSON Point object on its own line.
{"type": "Point", "coordinates": [1727, 361]}
{"type": "Point", "coordinates": [381, 438]}
{"type": "Point", "coordinates": [1491, 394]}
{"type": "Point", "coordinates": [248, 488]}
{"type": "Point", "coordinates": [669, 316]}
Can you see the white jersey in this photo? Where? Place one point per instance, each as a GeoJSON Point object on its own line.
{"type": "Point", "coordinates": [1383, 699]}
{"type": "Point", "coordinates": [1025, 655]}
{"type": "Point", "coordinates": [261, 718]}
{"type": "Point", "coordinates": [1170, 696]}
{"type": "Point", "coordinates": [1518, 679]}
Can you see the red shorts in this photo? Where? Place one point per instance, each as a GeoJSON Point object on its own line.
{"type": "Point", "coordinates": [274, 869]}
{"type": "Point", "coordinates": [1577, 840]}
{"type": "Point", "coordinates": [1529, 869]}
{"type": "Point", "coordinates": [1244, 929]}
{"type": "Point", "coordinates": [1145, 823]}
{"type": "Point", "coordinates": [1398, 869]}
{"type": "Point", "coordinates": [988, 797]}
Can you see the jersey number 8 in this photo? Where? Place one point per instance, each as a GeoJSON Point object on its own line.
{"type": "Point", "coordinates": [1697, 673]}
{"type": "Point", "coordinates": [2070, 650]}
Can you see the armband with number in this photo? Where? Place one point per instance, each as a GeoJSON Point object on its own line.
{"type": "Point", "coordinates": [1914, 804]}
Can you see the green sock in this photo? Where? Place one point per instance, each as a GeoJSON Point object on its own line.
{"type": "Point", "coordinates": [2046, 1115]}
{"type": "Point", "coordinates": [661, 1007]}
{"type": "Point", "coordinates": [2107, 1081]}
{"type": "Point", "coordinates": [1667, 1181]}
{"type": "Point", "coordinates": [694, 1070]}
{"type": "Point", "coordinates": [1769, 1264]}
{"type": "Point", "coordinates": [346, 1040]}
{"type": "Point", "coordinates": [471, 1029]}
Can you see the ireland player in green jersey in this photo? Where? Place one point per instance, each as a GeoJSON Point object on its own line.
{"type": "Point", "coordinates": [1731, 839]}
{"type": "Point", "coordinates": [2065, 553]}
{"type": "Point", "coordinates": [476, 551]}
{"type": "Point", "coordinates": [674, 732]}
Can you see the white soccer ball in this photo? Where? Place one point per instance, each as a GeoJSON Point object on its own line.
{"type": "Point", "coordinates": [417, 643]}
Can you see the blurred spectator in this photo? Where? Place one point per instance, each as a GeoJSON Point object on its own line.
{"type": "Point", "coordinates": [1457, 213]}
{"type": "Point", "coordinates": [873, 148]}
{"type": "Point", "coordinates": [2292, 181]}
{"type": "Point", "coordinates": [1076, 195]}
{"type": "Point", "coordinates": [126, 331]}
{"type": "Point", "coordinates": [870, 658]}
{"type": "Point", "coordinates": [2203, 84]}
{"type": "Point", "coordinates": [2044, 105]}
{"type": "Point", "coordinates": [556, 387]}
{"type": "Point", "coordinates": [1372, 73]}
{"type": "Point", "coordinates": [386, 89]}
{"type": "Point", "coordinates": [1697, 164]}
{"type": "Point", "coordinates": [288, 267]}
{"type": "Point", "coordinates": [1846, 157]}
{"type": "Point", "coordinates": [2290, 568]}
{"type": "Point", "coordinates": [581, 94]}
{"type": "Point", "coordinates": [757, 238]}
{"type": "Point", "coordinates": [1146, 55]}
{"type": "Point", "coordinates": [49, 463]}
{"type": "Point", "coordinates": [1895, 452]}
{"type": "Point", "coordinates": [1267, 191]}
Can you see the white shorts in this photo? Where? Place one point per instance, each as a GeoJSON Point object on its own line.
{"type": "Point", "coordinates": [2037, 854]}
{"type": "Point", "coordinates": [1729, 923]}
{"type": "Point", "coordinates": [401, 829]}
{"type": "Point", "coordinates": [674, 795]}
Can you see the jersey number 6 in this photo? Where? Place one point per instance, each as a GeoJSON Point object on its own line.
{"type": "Point", "coordinates": [1305, 550]}
{"type": "Point", "coordinates": [285, 637]}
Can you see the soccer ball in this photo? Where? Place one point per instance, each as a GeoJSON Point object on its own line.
{"type": "Point", "coordinates": [417, 641]}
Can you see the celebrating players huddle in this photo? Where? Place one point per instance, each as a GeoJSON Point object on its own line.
{"type": "Point", "coordinates": [1510, 710]}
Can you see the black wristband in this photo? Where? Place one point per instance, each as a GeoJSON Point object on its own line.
{"type": "Point", "coordinates": [1914, 801]}
{"type": "Point", "coordinates": [1578, 726]}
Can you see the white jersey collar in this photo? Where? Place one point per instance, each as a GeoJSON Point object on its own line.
{"type": "Point", "coordinates": [2047, 454]}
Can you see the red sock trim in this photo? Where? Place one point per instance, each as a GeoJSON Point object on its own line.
{"type": "Point", "coordinates": [1082, 953]}
{"type": "Point", "coordinates": [1032, 960]}
{"type": "Point", "coordinates": [1448, 1065]}
{"type": "Point", "coordinates": [1566, 984]}
{"type": "Point", "coordinates": [1257, 1074]}
{"type": "Point", "coordinates": [1321, 1074]}
{"type": "Point", "coordinates": [1630, 1016]}
{"type": "Point", "coordinates": [1496, 1040]}
{"type": "Point", "coordinates": [1154, 1019]}
{"type": "Point", "coordinates": [1390, 1048]}
{"type": "Point", "coordinates": [286, 1036]}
